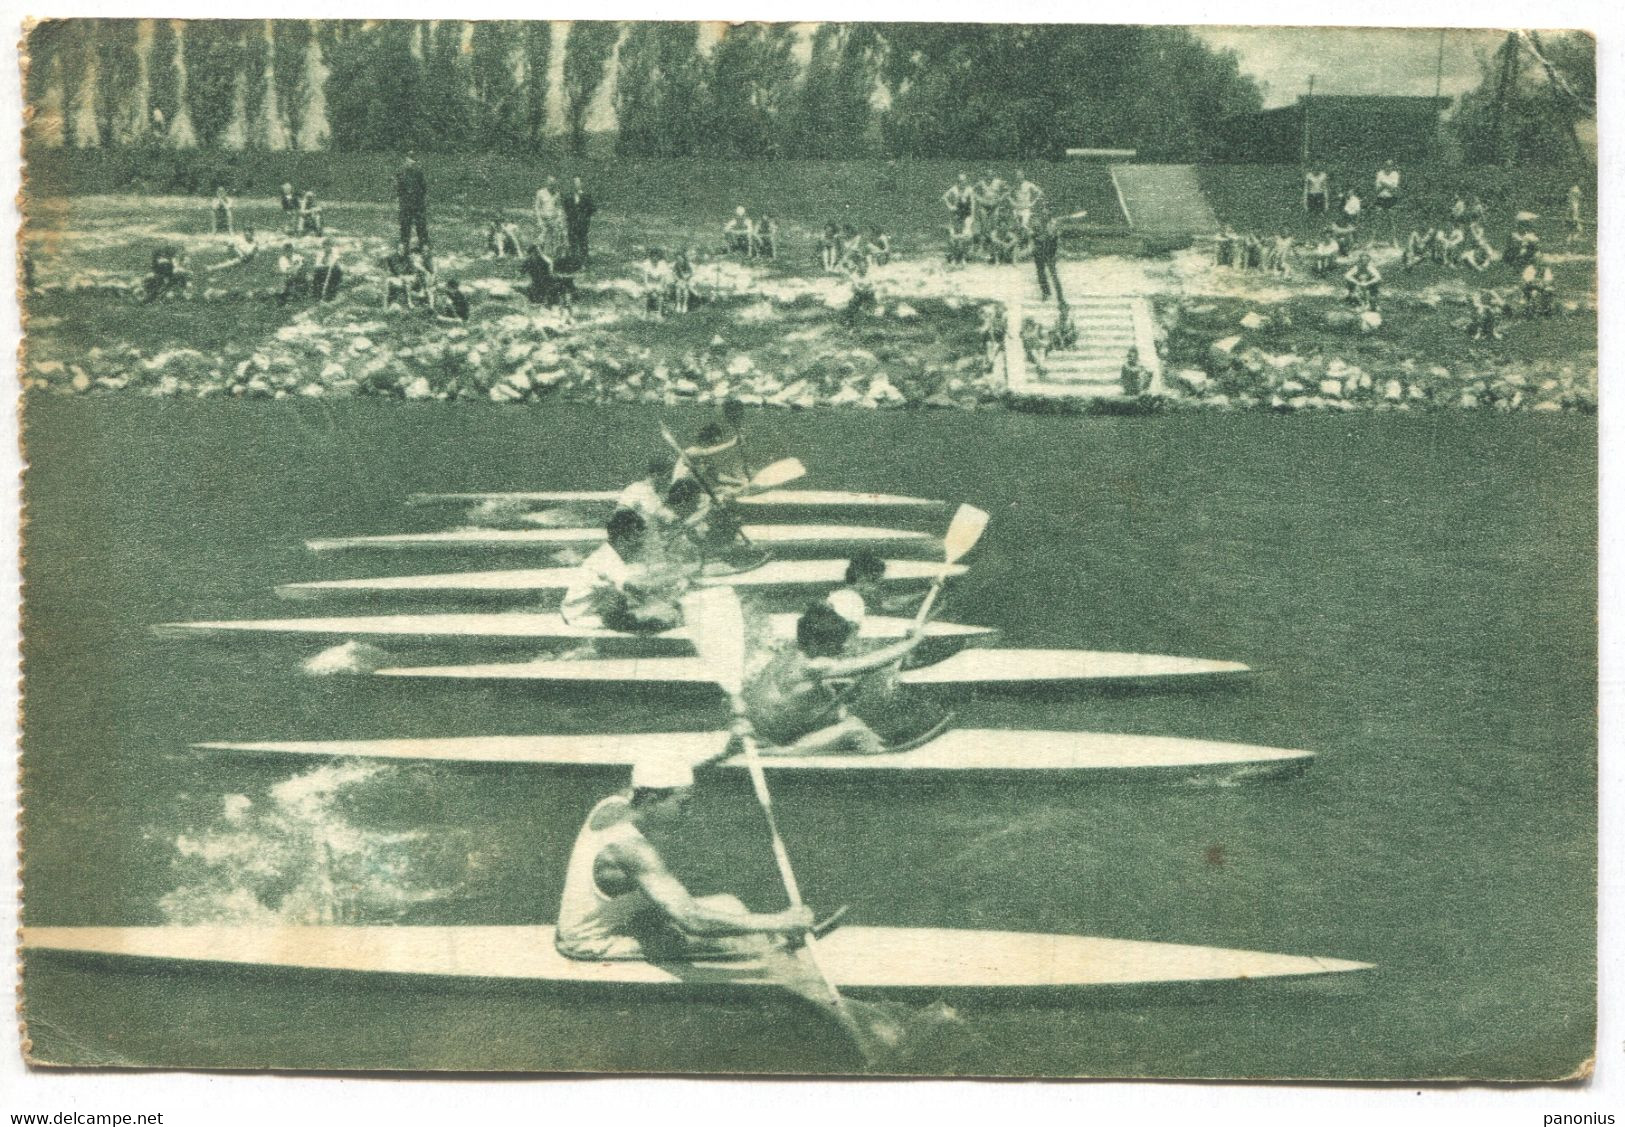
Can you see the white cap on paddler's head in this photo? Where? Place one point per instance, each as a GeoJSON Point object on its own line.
{"type": "Point", "coordinates": [661, 772]}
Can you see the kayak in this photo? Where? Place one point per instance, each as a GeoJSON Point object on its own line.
{"type": "Point", "coordinates": [776, 535]}
{"type": "Point", "coordinates": [772, 498]}
{"type": "Point", "coordinates": [880, 958]}
{"type": "Point", "coordinates": [524, 625]}
{"type": "Point", "coordinates": [1090, 754]}
{"type": "Point", "coordinates": [991, 667]}
{"type": "Point", "coordinates": [773, 575]}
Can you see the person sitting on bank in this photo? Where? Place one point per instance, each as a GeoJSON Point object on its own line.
{"type": "Point", "coordinates": [1343, 231]}
{"type": "Point", "coordinates": [622, 902]}
{"type": "Point", "coordinates": [1539, 290]}
{"type": "Point", "coordinates": [765, 238]}
{"type": "Point", "coordinates": [1387, 185]}
{"type": "Point", "coordinates": [329, 274]}
{"type": "Point", "coordinates": [1326, 251]}
{"type": "Point", "coordinates": [1479, 254]}
{"type": "Point", "coordinates": [310, 215]}
{"type": "Point", "coordinates": [1488, 305]}
{"type": "Point", "coordinates": [1364, 283]}
{"type": "Point", "coordinates": [294, 272]}
{"type": "Point", "coordinates": [740, 233]}
{"type": "Point", "coordinates": [547, 287]}
{"type": "Point", "coordinates": [1418, 247]}
{"type": "Point", "coordinates": [1135, 376]}
{"type": "Point", "coordinates": [878, 248]}
{"type": "Point", "coordinates": [168, 274]}
{"type": "Point", "coordinates": [452, 307]}
{"type": "Point", "coordinates": [792, 701]}
{"type": "Point", "coordinates": [244, 249]}
{"type": "Point", "coordinates": [1449, 245]}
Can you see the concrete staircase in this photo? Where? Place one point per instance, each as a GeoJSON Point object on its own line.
{"type": "Point", "coordinates": [1108, 326]}
{"type": "Point", "coordinates": [1163, 199]}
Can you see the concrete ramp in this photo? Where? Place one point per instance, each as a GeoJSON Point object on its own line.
{"type": "Point", "coordinates": [1163, 199]}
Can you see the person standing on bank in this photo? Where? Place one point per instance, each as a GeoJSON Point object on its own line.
{"type": "Point", "coordinates": [578, 213]}
{"type": "Point", "coordinates": [413, 194]}
{"type": "Point", "coordinates": [1046, 251]}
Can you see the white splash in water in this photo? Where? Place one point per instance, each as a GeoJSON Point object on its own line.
{"type": "Point", "coordinates": [298, 859]}
{"type": "Point", "coordinates": [348, 657]}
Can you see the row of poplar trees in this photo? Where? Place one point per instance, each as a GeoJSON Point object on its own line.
{"type": "Point", "coordinates": [675, 89]}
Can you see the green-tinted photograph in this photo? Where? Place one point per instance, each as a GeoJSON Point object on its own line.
{"type": "Point", "coordinates": [920, 549]}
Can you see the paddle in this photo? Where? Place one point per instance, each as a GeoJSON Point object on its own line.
{"type": "Point", "coordinates": [781, 472]}
{"type": "Point", "coordinates": [717, 626]}
{"type": "Point", "coordinates": [963, 533]}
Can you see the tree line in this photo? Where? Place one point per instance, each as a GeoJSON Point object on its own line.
{"type": "Point", "coordinates": [662, 88]}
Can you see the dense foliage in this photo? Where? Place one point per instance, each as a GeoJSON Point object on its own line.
{"type": "Point", "coordinates": [662, 89]}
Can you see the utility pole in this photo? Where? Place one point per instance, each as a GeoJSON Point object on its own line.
{"type": "Point", "coordinates": [1303, 144]}
{"type": "Point", "coordinates": [1438, 68]}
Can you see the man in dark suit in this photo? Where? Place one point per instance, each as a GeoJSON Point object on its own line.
{"type": "Point", "coordinates": [413, 194]}
{"type": "Point", "coordinates": [578, 212]}
{"type": "Point", "coordinates": [1046, 249]}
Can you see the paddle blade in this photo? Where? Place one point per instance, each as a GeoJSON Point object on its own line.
{"type": "Point", "coordinates": [963, 532]}
{"type": "Point", "coordinates": [717, 626]}
{"type": "Point", "coordinates": [784, 470]}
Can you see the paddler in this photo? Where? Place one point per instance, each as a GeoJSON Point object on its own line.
{"type": "Point", "coordinates": [617, 589]}
{"type": "Point", "coordinates": [795, 701]}
{"type": "Point", "coordinates": [647, 495]}
{"type": "Point", "coordinates": [707, 458]}
{"type": "Point", "coordinates": [864, 587]}
{"type": "Point", "coordinates": [621, 901]}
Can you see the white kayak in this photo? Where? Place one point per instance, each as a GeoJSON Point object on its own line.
{"type": "Point", "coordinates": [858, 958]}
{"type": "Point", "coordinates": [959, 749]}
{"type": "Point", "coordinates": [766, 535]}
{"type": "Point", "coordinates": [521, 625]}
{"type": "Point", "coordinates": [967, 667]}
{"type": "Point", "coordinates": [773, 575]}
{"type": "Point", "coordinates": [772, 498]}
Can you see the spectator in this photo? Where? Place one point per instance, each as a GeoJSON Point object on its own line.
{"type": "Point", "coordinates": [991, 329]}
{"type": "Point", "coordinates": [244, 249]}
{"type": "Point", "coordinates": [1316, 191]}
{"type": "Point", "coordinates": [329, 275]}
{"type": "Point", "coordinates": [1035, 344]}
{"type": "Point", "coordinates": [290, 267]}
{"type": "Point", "coordinates": [1387, 185]}
{"type": "Point", "coordinates": [1418, 247]}
{"type": "Point", "coordinates": [1523, 243]}
{"type": "Point", "coordinates": [1135, 376]}
{"type": "Point", "coordinates": [549, 215]}
{"type": "Point", "coordinates": [1576, 220]}
{"type": "Point", "coordinates": [1352, 206]}
{"type": "Point", "coordinates": [1225, 245]}
{"type": "Point", "coordinates": [398, 280]}
{"type": "Point", "coordinates": [1002, 241]}
{"type": "Point", "coordinates": [412, 192]}
{"type": "Point", "coordinates": [740, 233]}
{"type": "Point", "coordinates": [656, 274]}
{"type": "Point", "coordinates": [1364, 283]}
{"type": "Point", "coordinates": [1046, 252]}
{"type": "Point", "coordinates": [959, 245]}
{"type": "Point", "coordinates": [290, 209]}
{"type": "Point", "coordinates": [682, 280]}
{"type": "Point", "coordinates": [960, 199]}
{"type": "Point", "coordinates": [829, 246]}
{"type": "Point", "coordinates": [878, 248]}
{"type": "Point", "coordinates": [1487, 308]}
{"type": "Point", "coordinates": [1343, 230]}
{"type": "Point", "coordinates": [220, 217]}
{"type": "Point", "coordinates": [1480, 255]}
{"type": "Point", "coordinates": [1278, 255]}
{"type": "Point", "coordinates": [1449, 246]}
{"type": "Point", "coordinates": [1326, 251]}
{"type": "Point", "coordinates": [579, 209]}
{"type": "Point", "coordinates": [1026, 197]}
{"type": "Point", "coordinates": [456, 304]}
{"type": "Point", "coordinates": [766, 238]}
{"type": "Point", "coordinates": [1538, 289]}
{"type": "Point", "coordinates": [548, 286]}
{"type": "Point", "coordinates": [310, 215]}
{"type": "Point", "coordinates": [168, 272]}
